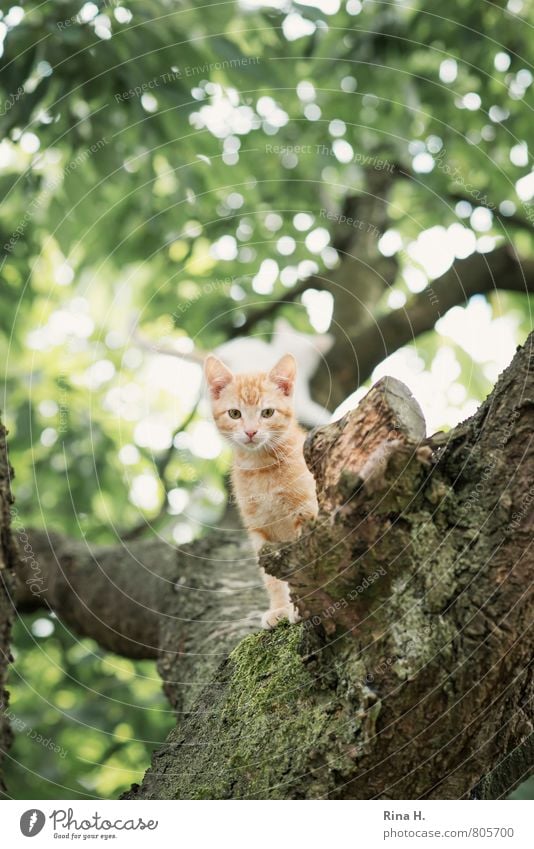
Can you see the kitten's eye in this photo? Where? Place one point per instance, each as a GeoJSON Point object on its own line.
{"type": "Point", "coordinates": [267, 413]}
{"type": "Point", "coordinates": [234, 414]}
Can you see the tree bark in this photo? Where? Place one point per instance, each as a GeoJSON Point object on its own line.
{"type": "Point", "coordinates": [479, 274]}
{"type": "Point", "coordinates": [186, 608]}
{"type": "Point", "coordinates": [410, 676]}
{"type": "Point", "coordinates": [7, 563]}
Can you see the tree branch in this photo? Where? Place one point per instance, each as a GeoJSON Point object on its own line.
{"type": "Point", "coordinates": [187, 607]}
{"type": "Point", "coordinates": [506, 220]}
{"type": "Point", "coordinates": [272, 307]}
{"type": "Point", "coordinates": [411, 678]}
{"type": "Point", "coordinates": [353, 360]}
{"type": "Point", "coordinates": [513, 220]}
{"type": "Point", "coordinates": [112, 594]}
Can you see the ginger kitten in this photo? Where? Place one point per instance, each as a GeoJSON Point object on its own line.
{"type": "Point", "coordinates": [274, 488]}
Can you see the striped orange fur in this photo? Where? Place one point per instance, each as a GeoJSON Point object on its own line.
{"type": "Point", "coordinates": [274, 489]}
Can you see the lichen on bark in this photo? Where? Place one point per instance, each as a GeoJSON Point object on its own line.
{"type": "Point", "coordinates": [275, 706]}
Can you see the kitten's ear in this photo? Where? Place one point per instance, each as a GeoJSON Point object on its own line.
{"type": "Point", "coordinates": [217, 375]}
{"type": "Point", "coordinates": [284, 372]}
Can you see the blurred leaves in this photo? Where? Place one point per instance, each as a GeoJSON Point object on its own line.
{"type": "Point", "coordinates": [85, 722]}
{"type": "Point", "coordinates": [154, 158]}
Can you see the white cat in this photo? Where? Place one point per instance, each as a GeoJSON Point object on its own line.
{"type": "Point", "coordinates": [253, 354]}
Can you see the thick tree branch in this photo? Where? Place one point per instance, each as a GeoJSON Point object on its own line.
{"type": "Point", "coordinates": [353, 360]}
{"type": "Point", "coordinates": [185, 607]}
{"type": "Point", "coordinates": [410, 677]}
{"type": "Point", "coordinates": [111, 594]}
{"type": "Point", "coordinates": [127, 597]}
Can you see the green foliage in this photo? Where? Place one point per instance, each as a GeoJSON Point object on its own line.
{"type": "Point", "coordinates": [85, 721]}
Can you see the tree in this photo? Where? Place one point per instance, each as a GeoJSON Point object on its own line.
{"type": "Point", "coordinates": [409, 676]}
{"type": "Point", "coordinates": [125, 193]}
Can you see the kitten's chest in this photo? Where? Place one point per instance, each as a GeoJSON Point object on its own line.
{"type": "Point", "coordinates": [267, 495]}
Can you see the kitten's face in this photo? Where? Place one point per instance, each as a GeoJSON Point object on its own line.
{"type": "Point", "coordinates": [252, 410]}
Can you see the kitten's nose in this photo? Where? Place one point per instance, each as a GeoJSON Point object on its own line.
{"type": "Point", "coordinates": [251, 433]}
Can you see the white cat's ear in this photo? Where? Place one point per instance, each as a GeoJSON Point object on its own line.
{"type": "Point", "coordinates": [217, 375]}
{"type": "Point", "coordinates": [282, 326]}
{"type": "Point", "coordinates": [284, 372]}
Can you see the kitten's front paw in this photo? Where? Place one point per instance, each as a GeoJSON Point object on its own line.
{"type": "Point", "coordinates": [271, 618]}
